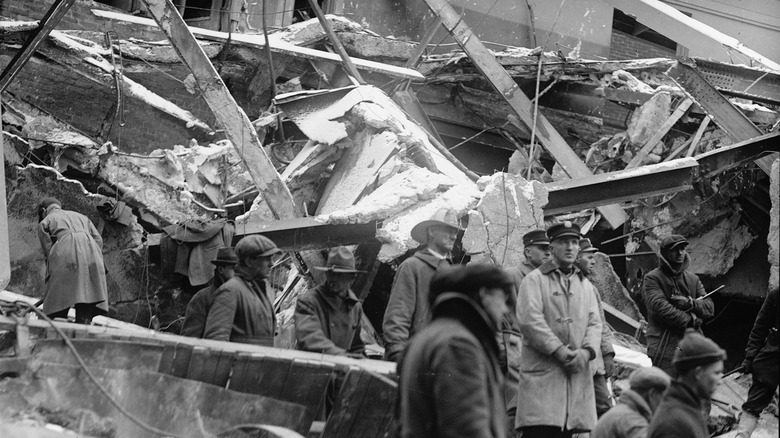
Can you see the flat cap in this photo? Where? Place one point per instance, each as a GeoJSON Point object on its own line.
{"type": "Point", "coordinates": [586, 246]}
{"type": "Point", "coordinates": [535, 237]}
{"type": "Point", "coordinates": [648, 378]}
{"type": "Point", "coordinates": [256, 245]}
{"type": "Point", "coordinates": [563, 229]}
{"type": "Point", "coordinates": [695, 349]}
{"type": "Point", "coordinates": [672, 240]}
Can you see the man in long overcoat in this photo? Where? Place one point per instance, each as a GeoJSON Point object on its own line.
{"type": "Point", "coordinates": [243, 309]}
{"type": "Point", "coordinates": [671, 294]}
{"type": "Point", "coordinates": [559, 320]}
{"type": "Point", "coordinates": [328, 317]}
{"type": "Point", "coordinates": [198, 308]}
{"type": "Point", "coordinates": [407, 310]}
{"type": "Point", "coordinates": [450, 379]}
{"type": "Point", "coordinates": [75, 272]}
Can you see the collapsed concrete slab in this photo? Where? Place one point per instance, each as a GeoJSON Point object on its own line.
{"type": "Point", "coordinates": [611, 289]}
{"type": "Point", "coordinates": [714, 252]}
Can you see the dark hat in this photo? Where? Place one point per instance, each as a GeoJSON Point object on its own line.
{"type": "Point", "coordinates": [671, 241]}
{"type": "Point", "coordinates": [586, 246]}
{"type": "Point", "coordinates": [46, 202]}
{"type": "Point", "coordinates": [695, 349]}
{"type": "Point", "coordinates": [256, 245]}
{"type": "Point", "coordinates": [469, 279]}
{"type": "Point", "coordinates": [535, 237]}
{"type": "Point", "coordinates": [563, 229]}
{"type": "Point", "coordinates": [226, 256]}
{"type": "Point", "coordinates": [443, 217]}
{"type": "Point", "coordinates": [648, 378]}
{"type": "Point", "coordinates": [340, 260]}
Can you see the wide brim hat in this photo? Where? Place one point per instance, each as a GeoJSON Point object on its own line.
{"type": "Point", "coordinates": [225, 256]}
{"type": "Point", "coordinates": [340, 261]}
{"type": "Point", "coordinates": [586, 246]}
{"type": "Point", "coordinates": [443, 217]}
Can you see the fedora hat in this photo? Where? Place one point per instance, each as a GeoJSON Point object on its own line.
{"type": "Point", "coordinates": [341, 261]}
{"type": "Point", "coordinates": [443, 217]}
{"type": "Point", "coordinates": [226, 256]}
{"type": "Point", "coordinates": [587, 246]}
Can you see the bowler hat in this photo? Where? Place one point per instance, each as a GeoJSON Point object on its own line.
{"type": "Point", "coordinates": [256, 245]}
{"type": "Point", "coordinates": [671, 241]}
{"type": "Point", "coordinates": [586, 246]}
{"type": "Point", "coordinates": [226, 256]}
{"type": "Point", "coordinates": [563, 229]}
{"type": "Point", "coordinates": [695, 349]}
{"type": "Point", "coordinates": [340, 260]}
{"type": "Point", "coordinates": [535, 237]}
{"type": "Point", "coordinates": [442, 216]}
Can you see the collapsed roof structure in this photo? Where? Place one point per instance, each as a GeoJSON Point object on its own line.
{"type": "Point", "coordinates": [168, 123]}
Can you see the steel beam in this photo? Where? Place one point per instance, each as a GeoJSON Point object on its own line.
{"type": "Point", "coordinates": [47, 24]}
{"type": "Point", "coordinates": [614, 187]}
{"type": "Point", "coordinates": [729, 157]}
{"type": "Point", "coordinates": [738, 81]}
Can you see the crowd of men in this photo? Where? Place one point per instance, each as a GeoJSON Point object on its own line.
{"type": "Point", "coordinates": [482, 351]}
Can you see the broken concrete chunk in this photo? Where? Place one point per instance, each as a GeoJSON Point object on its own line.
{"type": "Point", "coordinates": [648, 118]}
{"type": "Point", "coordinates": [510, 206]}
{"type": "Point", "coordinates": [66, 148]}
{"type": "Point", "coordinates": [728, 238]}
{"type": "Point", "coordinates": [611, 289]}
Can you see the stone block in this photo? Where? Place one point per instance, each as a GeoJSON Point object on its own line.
{"type": "Point", "coordinates": [611, 289]}
{"type": "Point", "coordinates": [714, 252]}
{"type": "Point", "coordinates": [648, 118]}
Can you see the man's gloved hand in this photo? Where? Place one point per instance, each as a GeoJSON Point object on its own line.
{"type": "Point", "coordinates": [579, 362]}
{"type": "Point", "coordinates": [609, 365]}
{"type": "Point", "coordinates": [695, 321]}
{"type": "Point", "coordinates": [747, 364]}
{"type": "Point", "coordinates": [682, 302]}
{"type": "Point", "coordinates": [563, 354]}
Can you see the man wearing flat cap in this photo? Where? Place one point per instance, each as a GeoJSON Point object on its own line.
{"type": "Point", "coordinates": [407, 310]}
{"type": "Point", "coordinates": [558, 315]}
{"type": "Point", "coordinates": [198, 307]}
{"type": "Point", "coordinates": [632, 415]}
{"type": "Point", "coordinates": [243, 308]}
{"type": "Point", "coordinates": [683, 411]}
{"type": "Point", "coordinates": [671, 294]}
{"type": "Point", "coordinates": [328, 317]}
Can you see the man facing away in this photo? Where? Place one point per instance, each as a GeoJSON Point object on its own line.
{"type": "Point", "coordinates": [561, 328]}
{"type": "Point", "coordinates": [671, 294]}
{"type": "Point", "coordinates": [605, 356]}
{"type": "Point", "coordinates": [243, 308]}
{"type": "Point", "coordinates": [449, 376]}
{"type": "Point", "coordinates": [198, 307]}
{"type": "Point", "coordinates": [328, 317]}
{"type": "Point", "coordinates": [631, 416]}
{"type": "Point", "coordinates": [699, 364]}
{"type": "Point", "coordinates": [75, 272]}
{"type": "Point", "coordinates": [408, 310]}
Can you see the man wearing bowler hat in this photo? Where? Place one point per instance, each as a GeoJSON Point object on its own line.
{"type": "Point", "coordinates": [243, 308]}
{"type": "Point", "coordinates": [198, 307]}
{"type": "Point", "coordinates": [408, 310]}
{"type": "Point", "coordinates": [671, 294]}
{"type": "Point", "coordinates": [558, 316]}
{"type": "Point", "coordinates": [327, 318]}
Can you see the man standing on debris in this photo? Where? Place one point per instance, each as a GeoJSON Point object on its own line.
{"type": "Point", "coordinates": [699, 364]}
{"type": "Point", "coordinates": [605, 359]}
{"type": "Point", "coordinates": [631, 416]}
{"type": "Point", "coordinates": [672, 297]}
{"type": "Point", "coordinates": [75, 273]}
{"type": "Point", "coordinates": [762, 359]}
{"type": "Point", "coordinates": [328, 317]}
{"type": "Point", "coordinates": [243, 308]}
{"type": "Point", "coordinates": [559, 320]}
{"type": "Point", "coordinates": [407, 310]}
{"type": "Point", "coordinates": [198, 307]}
{"type": "Point", "coordinates": [450, 380]}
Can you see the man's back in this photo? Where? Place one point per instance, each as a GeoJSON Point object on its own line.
{"type": "Point", "coordinates": [629, 419]}
{"type": "Point", "coordinates": [679, 415]}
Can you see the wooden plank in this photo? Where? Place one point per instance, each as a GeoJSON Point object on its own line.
{"type": "Point", "coordinates": [181, 360]}
{"type": "Point", "coordinates": [272, 377]}
{"type": "Point", "coordinates": [198, 368]}
{"type": "Point", "coordinates": [276, 46]}
{"type": "Point", "coordinates": [46, 25]}
{"type": "Point", "coordinates": [659, 134]}
{"type": "Point", "coordinates": [407, 99]}
{"type": "Point", "coordinates": [307, 382]}
{"type": "Point", "coordinates": [675, 153]}
{"type": "Point", "coordinates": [102, 353]}
{"type": "Point", "coordinates": [698, 135]}
{"type": "Point", "coordinates": [521, 105]}
{"type": "Point", "coordinates": [346, 61]}
{"type": "Point", "coordinates": [222, 368]}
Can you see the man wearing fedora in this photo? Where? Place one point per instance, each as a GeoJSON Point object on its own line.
{"type": "Point", "coordinates": [243, 308]}
{"type": "Point", "coordinates": [408, 310]}
{"type": "Point", "coordinates": [558, 316]}
{"type": "Point", "coordinates": [198, 307]}
{"type": "Point", "coordinates": [671, 294]}
{"type": "Point", "coordinates": [328, 317]}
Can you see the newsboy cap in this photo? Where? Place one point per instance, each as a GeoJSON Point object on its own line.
{"type": "Point", "coordinates": [536, 237]}
{"type": "Point", "coordinates": [671, 241]}
{"type": "Point", "coordinates": [695, 349]}
{"type": "Point", "coordinates": [256, 245]}
{"type": "Point", "coordinates": [563, 229]}
{"type": "Point", "coordinates": [649, 378]}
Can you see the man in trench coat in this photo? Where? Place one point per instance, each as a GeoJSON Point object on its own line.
{"type": "Point", "coordinates": [76, 275]}
{"type": "Point", "coordinates": [561, 328]}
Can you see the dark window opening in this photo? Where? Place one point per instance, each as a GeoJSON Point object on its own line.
{"type": "Point", "coordinates": [627, 24]}
{"type": "Point", "coordinates": [196, 9]}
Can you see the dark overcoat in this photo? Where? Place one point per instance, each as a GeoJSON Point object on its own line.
{"type": "Point", "coordinates": [680, 415]}
{"type": "Point", "coordinates": [327, 323]}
